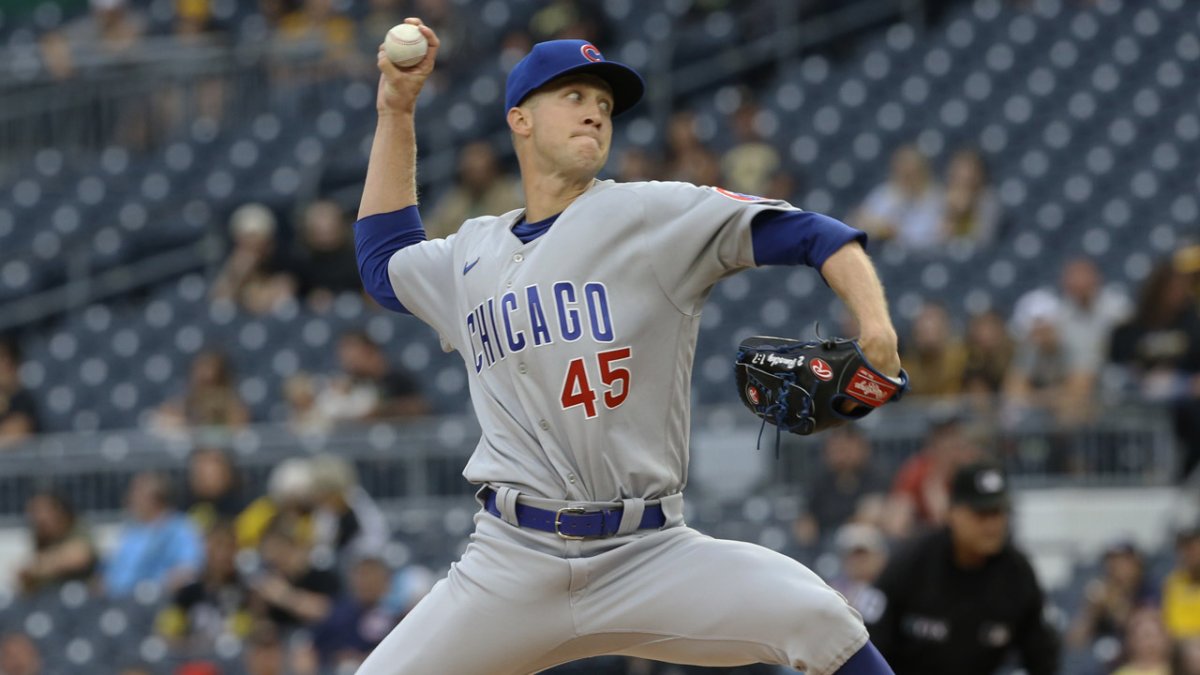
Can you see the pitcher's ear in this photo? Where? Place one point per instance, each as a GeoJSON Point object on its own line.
{"type": "Point", "coordinates": [519, 121]}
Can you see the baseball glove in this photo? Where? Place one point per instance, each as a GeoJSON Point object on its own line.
{"type": "Point", "coordinates": [807, 387]}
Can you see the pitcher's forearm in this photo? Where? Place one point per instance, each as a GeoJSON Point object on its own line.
{"type": "Point", "coordinates": [852, 276]}
{"type": "Point", "coordinates": [391, 182]}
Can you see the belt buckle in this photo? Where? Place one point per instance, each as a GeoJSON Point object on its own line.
{"type": "Point", "coordinates": [558, 522]}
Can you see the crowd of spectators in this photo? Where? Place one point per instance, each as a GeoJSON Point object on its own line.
{"type": "Point", "coordinates": [306, 573]}
{"type": "Point", "coordinates": [1080, 344]}
{"type": "Point", "coordinates": [302, 573]}
{"type": "Point", "coordinates": [913, 209]}
{"type": "Point", "coordinates": [1133, 619]}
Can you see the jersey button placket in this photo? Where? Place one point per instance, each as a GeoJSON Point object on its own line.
{"type": "Point", "coordinates": [544, 425]}
{"type": "Point", "coordinates": [522, 369]}
{"type": "Point", "coordinates": [518, 258]}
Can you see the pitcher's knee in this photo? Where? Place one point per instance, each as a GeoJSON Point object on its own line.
{"type": "Point", "coordinates": [834, 610]}
{"type": "Point", "coordinates": [822, 633]}
{"type": "Point", "coordinates": [824, 612]}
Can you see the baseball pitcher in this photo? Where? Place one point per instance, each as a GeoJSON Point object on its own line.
{"type": "Point", "coordinates": [576, 318]}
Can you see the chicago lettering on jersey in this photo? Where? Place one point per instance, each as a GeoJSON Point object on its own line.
{"type": "Point", "coordinates": [537, 316]}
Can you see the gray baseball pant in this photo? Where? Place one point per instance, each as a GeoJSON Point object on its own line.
{"type": "Point", "coordinates": [520, 601]}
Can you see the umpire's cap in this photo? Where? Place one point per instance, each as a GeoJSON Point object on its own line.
{"type": "Point", "coordinates": [981, 486]}
{"type": "Point", "coordinates": [553, 59]}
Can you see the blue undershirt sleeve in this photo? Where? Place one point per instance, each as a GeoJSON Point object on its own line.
{"type": "Point", "coordinates": [376, 239]}
{"type": "Point", "coordinates": [799, 238]}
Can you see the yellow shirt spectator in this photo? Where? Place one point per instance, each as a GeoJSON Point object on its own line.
{"type": "Point", "coordinates": [1181, 605]}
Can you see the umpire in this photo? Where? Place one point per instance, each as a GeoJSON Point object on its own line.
{"type": "Point", "coordinates": [962, 599]}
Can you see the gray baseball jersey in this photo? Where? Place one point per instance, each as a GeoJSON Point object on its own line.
{"type": "Point", "coordinates": [579, 344]}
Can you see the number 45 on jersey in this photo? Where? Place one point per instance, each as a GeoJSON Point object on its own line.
{"type": "Point", "coordinates": [577, 386]}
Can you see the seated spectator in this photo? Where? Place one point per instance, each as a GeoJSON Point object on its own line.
{"type": "Point", "coordinates": [482, 189]}
{"type": "Point", "coordinates": [196, 98]}
{"type": "Point", "coordinates": [408, 586]}
{"type": "Point", "coordinates": [289, 590]}
{"type": "Point", "coordinates": [1186, 261]}
{"type": "Point", "coordinates": [325, 264]}
{"type": "Point", "coordinates": [683, 145]}
{"type": "Point", "coordinates": [1147, 646]}
{"type": "Point", "coordinates": [989, 351]}
{"type": "Point", "coordinates": [1036, 383]}
{"type": "Point", "coordinates": [368, 386]}
{"type": "Point", "coordinates": [751, 163]}
{"type": "Point", "coordinates": [1187, 657]}
{"type": "Point", "coordinates": [907, 208]}
{"type": "Point", "coordinates": [1111, 599]}
{"type": "Point", "coordinates": [1089, 311]}
{"type": "Point", "coordinates": [863, 554]}
{"type": "Point", "coordinates": [702, 168]}
{"type": "Point", "coordinates": [110, 29]}
{"type": "Point", "coordinates": [211, 399]}
{"type": "Point", "coordinates": [845, 488]}
{"type": "Point", "coordinates": [319, 25]}
{"type": "Point", "coordinates": [970, 210]}
{"type": "Point", "coordinates": [1084, 314]}
{"type": "Point", "coordinates": [62, 549]}
{"type": "Point", "coordinates": [359, 619]}
{"type": "Point", "coordinates": [18, 411]}
{"type": "Point", "coordinates": [288, 504]}
{"type": "Point", "coordinates": [304, 416]}
{"type": "Point", "coordinates": [635, 165]}
{"type": "Point", "coordinates": [19, 655]}
{"type": "Point", "coordinates": [920, 496]}
{"type": "Point", "coordinates": [266, 652]}
{"type": "Point", "coordinates": [1181, 590]}
{"type": "Point", "coordinates": [156, 544]}
{"type": "Point", "coordinates": [1159, 350]}
{"type": "Point", "coordinates": [254, 275]}
{"type": "Point", "coordinates": [934, 356]}
{"type": "Point", "coordinates": [214, 491]}
{"type": "Point", "coordinates": [215, 604]}
{"type": "Point", "coordinates": [346, 519]}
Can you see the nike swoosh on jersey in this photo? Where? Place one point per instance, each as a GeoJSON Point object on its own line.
{"type": "Point", "coordinates": [467, 267]}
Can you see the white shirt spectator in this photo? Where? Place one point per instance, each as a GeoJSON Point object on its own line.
{"type": "Point", "coordinates": [917, 220]}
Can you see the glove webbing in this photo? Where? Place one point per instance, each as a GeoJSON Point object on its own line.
{"type": "Point", "coordinates": [779, 409]}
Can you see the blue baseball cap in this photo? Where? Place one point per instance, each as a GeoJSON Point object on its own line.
{"type": "Point", "coordinates": [553, 59]}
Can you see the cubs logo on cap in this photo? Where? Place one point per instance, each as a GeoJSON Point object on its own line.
{"type": "Point", "coordinates": [551, 60]}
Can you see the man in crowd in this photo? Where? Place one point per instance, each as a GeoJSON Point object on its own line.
{"type": "Point", "coordinates": [961, 599]}
{"type": "Point", "coordinates": [158, 544]}
{"type": "Point", "coordinates": [18, 411]}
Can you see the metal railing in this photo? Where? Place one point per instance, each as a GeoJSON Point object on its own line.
{"type": "Point", "coordinates": [413, 462]}
{"type": "Point", "coordinates": [144, 97]}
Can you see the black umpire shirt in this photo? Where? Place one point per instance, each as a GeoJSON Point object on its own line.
{"type": "Point", "coordinates": [941, 619]}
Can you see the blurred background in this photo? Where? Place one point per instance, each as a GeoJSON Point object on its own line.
{"type": "Point", "coordinates": [218, 456]}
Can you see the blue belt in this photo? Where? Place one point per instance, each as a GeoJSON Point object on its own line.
{"type": "Point", "coordinates": [573, 522]}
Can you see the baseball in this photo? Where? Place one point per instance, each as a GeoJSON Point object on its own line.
{"type": "Point", "coordinates": [405, 46]}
